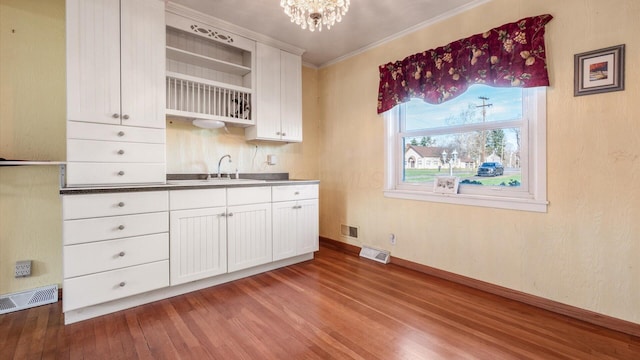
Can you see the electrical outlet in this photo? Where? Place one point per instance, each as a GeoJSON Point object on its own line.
{"type": "Point", "coordinates": [23, 268]}
{"type": "Point", "coordinates": [392, 239]}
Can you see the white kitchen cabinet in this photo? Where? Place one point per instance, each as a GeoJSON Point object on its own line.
{"type": "Point", "coordinates": [198, 234]}
{"type": "Point", "coordinates": [249, 236]}
{"type": "Point", "coordinates": [295, 220]}
{"type": "Point", "coordinates": [210, 72]}
{"type": "Point", "coordinates": [115, 62]}
{"type": "Point", "coordinates": [114, 245]}
{"type": "Point", "coordinates": [214, 231]}
{"type": "Point", "coordinates": [115, 92]}
{"type": "Point", "coordinates": [279, 96]}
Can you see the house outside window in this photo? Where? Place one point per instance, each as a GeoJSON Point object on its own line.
{"type": "Point", "coordinates": [501, 130]}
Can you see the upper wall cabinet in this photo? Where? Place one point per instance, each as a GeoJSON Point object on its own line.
{"type": "Point", "coordinates": [115, 62]}
{"type": "Point", "coordinates": [115, 92]}
{"type": "Point", "coordinates": [209, 72]}
{"type": "Point", "coordinates": [279, 92]}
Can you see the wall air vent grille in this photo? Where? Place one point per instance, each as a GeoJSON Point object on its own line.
{"type": "Point", "coordinates": [28, 299]}
{"type": "Point", "coordinates": [374, 254]}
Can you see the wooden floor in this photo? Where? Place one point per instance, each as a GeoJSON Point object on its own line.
{"type": "Point", "coordinates": [337, 306]}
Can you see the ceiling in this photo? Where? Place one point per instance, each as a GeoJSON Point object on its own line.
{"type": "Point", "coordinates": [367, 22]}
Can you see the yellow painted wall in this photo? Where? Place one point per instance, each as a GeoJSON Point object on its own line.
{"type": "Point", "coordinates": [585, 251]}
{"type": "Point", "coordinates": [32, 126]}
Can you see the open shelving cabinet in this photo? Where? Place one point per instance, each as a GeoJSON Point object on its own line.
{"type": "Point", "coordinates": [210, 73]}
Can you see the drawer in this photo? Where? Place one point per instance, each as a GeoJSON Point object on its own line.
{"type": "Point", "coordinates": [85, 259]}
{"type": "Point", "coordinates": [248, 195]}
{"type": "Point", "coordinates": [295, 192]}
{"type": "Point", "coordinates": [115, 284]}
{"type": "Point", "coordinates": [124, 203]}
{"type": "Point", "coordinates": [197, 198]}
{"type": "Point", "coordinates": [113, 227]}
{"type": "Point", "coordinates": [111, 151]}
{"type": "Point", "coordinates": [86, 174]}
{"type": "Point", "coordinates": [90, 131]}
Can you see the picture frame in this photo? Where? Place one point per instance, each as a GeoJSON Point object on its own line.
{"type": "Point", "coordinates": [446, 184]}
{"type": "Point", "coordinates": [599, 71]}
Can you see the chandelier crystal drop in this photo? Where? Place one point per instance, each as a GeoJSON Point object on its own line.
{"type": "Point", "coordinates": [314, 14]}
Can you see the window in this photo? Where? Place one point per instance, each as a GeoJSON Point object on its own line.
{"type": "Point", "coordinates": [493, 139]}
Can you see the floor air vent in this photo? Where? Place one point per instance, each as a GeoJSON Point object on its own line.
{"type": "Point", "coordinates": [382, 256]}
{"type": "Point", "coordinates": [28, 299]}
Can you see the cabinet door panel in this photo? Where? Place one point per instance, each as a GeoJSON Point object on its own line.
{"type": "Point", "coordinates": [291, 96]}
{"type": "Point", "coordinates": [198, 244]}
{"type": "Point", "coordinates": [93, 60]}
{"type": "Point", "coordinates": [268, 90]}
{"type": "Point", "coordinates": [307, 234]}
{"type": "Point", "coordinates": [284, 230]}
{"type": "Point", "coordinates": [143, 63]}
{"type": "Point", "coordinates": [249, 236]}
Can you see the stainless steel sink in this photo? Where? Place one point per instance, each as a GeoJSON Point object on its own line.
{"type": "Point", "coordinates": [215, 181]}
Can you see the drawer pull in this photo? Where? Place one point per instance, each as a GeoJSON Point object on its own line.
{"type": "Point", "coordinates": [115, 116]}
{"type": "Point", "coordinates": [126, 117]}
{"type": "Point", "coordinates": [297, 207]}
{"type": "Point", "coordinates": [296, 193]}
{"type": "Point", "coordinates": [120, 152]}
{"type": "Point", "coordinates": [120, 204]}
{"type": "Point", "coordinates": [120, 173]}
{"type": "Point", "coordinates": [122, 284]}
{"type": "Point", "coordinates": [121, 254]}
{"type": "Point", "coordinates": [223, 214]}
{"type": "Point", "coordinates": [230, 214]}
{"type": "Point", "coordinates": [121, 133]}
{"type": "Point", "coordinates": [121, 227]}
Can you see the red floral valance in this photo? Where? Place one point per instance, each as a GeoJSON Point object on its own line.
{"type": "Point", "coordinates": [510, 55]}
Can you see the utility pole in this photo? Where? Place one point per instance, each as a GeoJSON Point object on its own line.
{"type": "Point", "coordinates": [484, 107]}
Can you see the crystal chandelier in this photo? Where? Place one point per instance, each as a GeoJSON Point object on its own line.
{"type": "Point", "coordinates": [315, 13]}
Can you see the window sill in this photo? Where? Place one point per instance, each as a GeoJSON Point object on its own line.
{"type": "Point", "coordinates": [472, 200]}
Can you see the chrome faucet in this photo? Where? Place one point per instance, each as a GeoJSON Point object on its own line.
{"type": "Point", "coordinates": [220, 162]}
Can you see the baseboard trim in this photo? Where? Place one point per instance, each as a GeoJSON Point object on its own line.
{"type": "Point", "coordinates": [589, 316]}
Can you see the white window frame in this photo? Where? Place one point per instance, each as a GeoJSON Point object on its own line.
{"type": "Point", "coordinates": [532, 193]}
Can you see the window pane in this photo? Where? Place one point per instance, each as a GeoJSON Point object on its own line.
{"type": "Point", "coordinates": [462, 155]}
{"type": "Point", "coordinates": [499, 104]}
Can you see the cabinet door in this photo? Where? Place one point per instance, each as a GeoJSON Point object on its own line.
{"type": "Point", "coordinates": [249, 236]}
{"type": "Point", "coordinates": [307, 226]}
{"type": "Point", "coordinates": [291, 97]}
{"type": "Point", "coordinates": [268, 92]}
{"type": "Point", "coordinates": [143, 63]}
{"type": "Point", "coordinates": [93, 60]}
{"type": "Point", "coordinates": [284, 230]}
{"type": "Point", "coordinates": [295, 228]}
{"type": "Point", "coordinates": [198, 246]}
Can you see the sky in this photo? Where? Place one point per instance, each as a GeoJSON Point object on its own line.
{"type": "Point", "coordinates": [506, 104]}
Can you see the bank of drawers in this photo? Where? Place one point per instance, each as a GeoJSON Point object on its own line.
{"type": "Point", "coordinates": [99, 154]}
{"type": "Point", "coordinates": [115, 245]}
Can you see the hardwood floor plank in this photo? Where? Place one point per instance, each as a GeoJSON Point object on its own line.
{"type": "Point", "coordinates": [337, 306]}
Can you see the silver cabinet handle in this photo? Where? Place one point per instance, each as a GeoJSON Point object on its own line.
{"type": "Point", "coordinates": [121, 254]}
{"type": "Point", "coordinates": [120, 152]}
{"type": "Point", "coordinates": [297, 206]}
{"type": "Point", "coordinates": [223, 215]}
{"type": "Point", "coordinates": [115, 116]}
{"type": "Point", "coordinates": [121, 227]}
{"type": "Point", "coordinates": [230, 214]}
{"type": "Point", "coordinates": [126, 117]}
{"type": "Point", "coordinates": [278, 133]}
{"type": "Point", "coordinates": [120, 173]}
{"type": "Point", "coordinates": [122, 284]}
{"type": "Point", "coordinates": [284, 134]}
{"type": "Point", "coordinates": [121, 133]}
{"type": "Point", "coordinates": [296, 193]}
{"type": "Point", "coordinates": [121, 204]}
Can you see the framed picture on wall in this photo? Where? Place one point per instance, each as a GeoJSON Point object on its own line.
{"type": "Point", "coordinates": [599, 71]}
{"type": "Point", "coordinates": [446, 184]}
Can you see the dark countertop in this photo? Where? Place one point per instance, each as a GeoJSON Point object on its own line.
{"type": "Point", "coordinates": [270, 180]}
